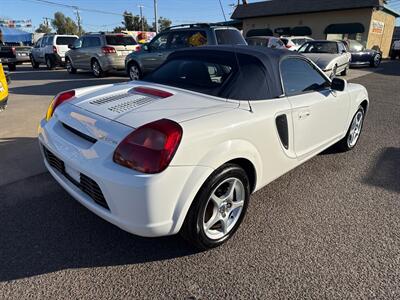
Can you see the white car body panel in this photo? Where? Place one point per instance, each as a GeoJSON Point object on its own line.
{"type": "Point", "coordinates": [215, 131]}
{"type": "Point", "coordinates": [326, 61]}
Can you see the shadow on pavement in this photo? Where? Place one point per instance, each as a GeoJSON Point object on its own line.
{"type": "Point", "coordinates": [55, 87]}
{"type": "Point", "coordinates": [27, 73]}
{"type": "Point", "coordinates": [385, 172]}
{"type": "Point", "coordinates": [19, 158]}
{"type": "Point", "coordinates": [43, 229]}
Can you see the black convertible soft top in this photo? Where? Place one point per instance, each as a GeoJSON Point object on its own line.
{"type": "Point", "coordinates": [258, 76]}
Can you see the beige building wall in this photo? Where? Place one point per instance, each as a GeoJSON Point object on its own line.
{"type": "Point", "coordinates": [382, 41]}
{"type": "Point", "coordinates": [316, 21]}
{"type": "Point", "coordinates": [319, 21]}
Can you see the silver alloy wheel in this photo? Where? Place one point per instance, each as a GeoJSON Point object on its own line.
{"type": "Point", "coordinates": [377, 59]}
{"type": "Point", "coordinates": [355, 129]}
{"type": "Point", "coordinates": [96, 68]}
{"type": "Point", "coordinates": [48, 63]}
{"type": "Point", "coordinates": [69, 66]}
{"type": "Point", "coordinates": [134, 72]}
{"type": "Point", "coordinates": [334, 71]}
{"type": "Point", "coordinates": [223, 208]}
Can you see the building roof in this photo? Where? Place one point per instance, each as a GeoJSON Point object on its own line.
{"type": "Point", "coordinates": [287, 7]}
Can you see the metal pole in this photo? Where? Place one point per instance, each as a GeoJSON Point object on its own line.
{"type": "Point", "coordinates": [141, 16]}
{"type": "Point", "coordinates": [155, 16]}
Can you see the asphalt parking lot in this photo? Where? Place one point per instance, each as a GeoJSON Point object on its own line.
{"type": "Point", "coordinates": [329, 229]}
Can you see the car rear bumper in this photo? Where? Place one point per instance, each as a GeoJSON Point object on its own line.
{"type": "Point", "coordinates": [112, 62]}
{"type": "Point", "coordinates": [147, 205]}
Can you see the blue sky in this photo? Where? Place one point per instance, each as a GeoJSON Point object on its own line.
{"type": "Point", "coordinates": [179, 11]}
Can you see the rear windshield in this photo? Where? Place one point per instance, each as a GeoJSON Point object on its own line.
{"type": "Point", "coordinates": [257, 41]}
{"type": "Point", "coordinates": [299, 42]}
{"type": "Point", "coordinates": [120, 40]}
{"type": "Point", "coordinates": [319, 47]}
{"type": "Point", "coordinates": [194, 74]}
{"type": "Point", "coordinates": [229, 36]}
{"type": "Point", "coordinates": [65, 40]}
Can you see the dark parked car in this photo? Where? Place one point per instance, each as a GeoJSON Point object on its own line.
{"type": "Point", "coordinates": [12, 56]}
{"type": "Point", "coordinates": [360, 56]}
{"type": "Point", "coordinates": [153, 54]}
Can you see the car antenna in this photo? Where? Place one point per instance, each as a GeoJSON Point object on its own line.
{"type": "Point", "coordinates": [234, 51]}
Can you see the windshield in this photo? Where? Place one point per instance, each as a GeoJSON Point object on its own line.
{"type": "Point", "coordinates": [229, 37]}
{"type": "Point", "coordinates": [120, 40]}
{"type": "Point", "coordinates": [192, 74]}
{"type": "Point", "coordinates": [319, 47]}
{"type": "Point", "coordinates": [66, 40]}
{"type": "Point", "coordinates": [355, 46]}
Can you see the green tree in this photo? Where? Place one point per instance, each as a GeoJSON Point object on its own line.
{"type": "Point", "coordinates": [132, 23]}
{"type": "Point", "coordinates": [63, 24]}
{"type": "Point", "coordinates": [118, 29]}
{"type": "Point", "coordinates": [163, 23]}
{"type": "Point", "coordinates": [43, 28]}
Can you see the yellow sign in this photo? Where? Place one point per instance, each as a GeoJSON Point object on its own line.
{"type": "Point", "coordinates": [3, 89]}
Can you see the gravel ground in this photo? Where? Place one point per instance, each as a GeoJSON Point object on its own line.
{"type": "Point", "coordinates": [326, 230]}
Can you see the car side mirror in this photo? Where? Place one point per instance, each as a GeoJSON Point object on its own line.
{"type": "Point", "coordinates": [338, 84]}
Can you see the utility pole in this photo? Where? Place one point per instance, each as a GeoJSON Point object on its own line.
{"type": "Point", "coordinates": [155, 16]}
{"type": "Point", "coordinates": [141, 16]}
{"type": "Point", "coordinates": [78, 20]}
{"type": "Point", "coordinates": [46, 21]}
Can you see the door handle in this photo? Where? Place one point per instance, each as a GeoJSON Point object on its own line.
{"type": "Point", "coordinates": [304, 114]}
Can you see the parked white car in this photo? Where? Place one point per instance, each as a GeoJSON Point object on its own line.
{"type": "Point", "coordinates": [50, 50]}
{"type": "Point", "coordinates": [183, 150]}
{"type": "Point", "coordinates": [293, 43]}
{"type": "Point", "coordinates": [331, 56]}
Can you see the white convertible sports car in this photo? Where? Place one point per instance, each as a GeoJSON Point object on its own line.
{"type": "Point", "coordinates": [183, 150]}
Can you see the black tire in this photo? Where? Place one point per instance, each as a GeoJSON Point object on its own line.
{"type": "Point", "coordinates": [334, 71]}
{"type": "Point", "coordinates": [96, 69]}
{"type": "Point", "coordinates": [345, 71]}
{"type": "Point", "coordinates": [12, 67]}
{"type": "Point", "coordinates": [193, 228]}
{"type": "Point", "coordinates": [69, 67]}
{"type": "Point", "coordinates": [134, 71]}
{"type": "Point", "coordinates": [375, 61]}
{"type": "Point", "coordinates": [35, 65]}
{"type": "Point", "coordinates": [344, 145]}
{"type": "Point", "coordinates": [50, 63]}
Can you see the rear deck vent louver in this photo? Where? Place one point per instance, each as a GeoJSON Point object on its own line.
{"type": "Point", "coordinates": [109, 99]}
{"type": "Point", "coordinates": [128, 105]}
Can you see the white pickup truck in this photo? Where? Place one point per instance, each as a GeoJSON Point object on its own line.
{"type": "Point", "coordinates": [50, 50]}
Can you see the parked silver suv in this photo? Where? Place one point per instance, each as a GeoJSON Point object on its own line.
{"type": "Point", "coordinates": [100, 52]}
{"type": "Point", "coordinates": [153, 54]}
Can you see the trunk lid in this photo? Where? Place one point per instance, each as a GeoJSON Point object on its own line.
{"type": "Point", "coordinates": [124, 104]}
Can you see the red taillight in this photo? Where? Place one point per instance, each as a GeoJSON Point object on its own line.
{"type": "Point", "coordinates": [150, 148]}
{"type": "Point", "coordinates": [59, 99]}
{"type": "Point", "coordinates": [137, 48]}
{"type": "Point", "coordinates": [55, 49]}
{"type": "Point", "coordinates": [152, 92]}
{"type": "Point", "coordinates": [108, 50]}
{"type": "Point", "coordinates": [288, 46]}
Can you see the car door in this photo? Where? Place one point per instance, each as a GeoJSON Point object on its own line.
{"type": "Point", "coordinates": [319, 114]}
{"type": "Point", "coordinates": [75, 54]}
{"type": "Point", "coordinates": [36, 50]}
{"type": "Point", "coordinates": [344, 57]}
{"type": "Point", "coordinates": [156, 52]}
{"type": "Point", "coordinates": [86, 51]}
{"type": "Point", "coordinates": [41, 51]}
